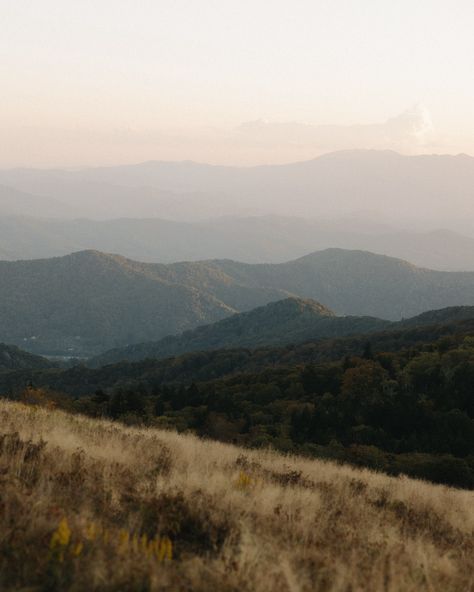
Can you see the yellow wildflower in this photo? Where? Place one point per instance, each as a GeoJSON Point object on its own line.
{"type": "Point", "coordinates": [92, 531]}
{"type": "Point", "coordinates": [164, 549]}
{"type": "Point", "coordinates": [124, 538]}
{"type": "Point", "coordinates": [60, 539]}
{"type": "Point", "coordinates": [244, 480]}
{"type": "Point", "coordinates": [61, 536]}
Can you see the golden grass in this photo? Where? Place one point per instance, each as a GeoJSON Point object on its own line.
{"type": "Point", "coordinates": [92, 505]}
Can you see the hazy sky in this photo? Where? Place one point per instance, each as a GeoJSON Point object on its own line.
{"type": "Point", "coordinates": [242, 81]}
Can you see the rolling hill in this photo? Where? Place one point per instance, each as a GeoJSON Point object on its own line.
{"type": "Point", "coordinates": [292, 320]}
{"type": "Point", "coordinates": [398, 400]}
{"type": "Point", "coordinates": [88, 302]}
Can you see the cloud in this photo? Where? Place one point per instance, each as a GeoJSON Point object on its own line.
{"type": "Point", "coordinates": [414, 125]}
{"type": "Point", "coordinates": [253, 142]}
{"type": "Point", "coordinates": [407, 132]}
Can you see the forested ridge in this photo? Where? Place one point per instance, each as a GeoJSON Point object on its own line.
{"type": "Point", "coordinates": [285, 322]}
{"type": "Point", "coordinates": [86, 303]}
{"type": "Point", "coordinates": [292, 320]}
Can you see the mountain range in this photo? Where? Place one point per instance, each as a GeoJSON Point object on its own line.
{"type": "Point", "coordinates": [269, 239]}
{"type": "Point", "coordinates": [434, 189]}
{"type": "Point", "coordinates": [89, 302]}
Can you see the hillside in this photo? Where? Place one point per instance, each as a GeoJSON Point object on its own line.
{"type": "Point", "coordinates": [264, 239]}
{"type": "Point", "coordinates": [88, 302]}
{"type": "Point", "coordinates": [19, 203]}
{"type": "Point", "coordinates": [210, 365]}
{"type": "Point", "coordinates": [13, 358]}
{"type": "Point", "coordinates": [94, 505]}
{"type": "Point", "coordinates": [287, 322]}
{"type": "Point", "coordinates": [451, 314]}
{"type": "Point", "coordinates": [292, 320]}
{"type": "Point", "coordinates": [398, 401]}
{"type": "Point", "coordinates": [330, 185]}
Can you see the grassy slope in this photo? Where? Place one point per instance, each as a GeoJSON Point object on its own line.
{"type": "Point", "coordinates": [238, 521]}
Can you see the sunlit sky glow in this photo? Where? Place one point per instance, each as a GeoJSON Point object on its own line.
{"type": "Point", "coordinates": [110, 81]}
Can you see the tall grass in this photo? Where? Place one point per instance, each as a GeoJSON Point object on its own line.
{"type": "Point", "coordinates": [92, 505]}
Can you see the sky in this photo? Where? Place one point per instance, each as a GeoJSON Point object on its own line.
{"type": "Point", "coordinates": [234, 82]}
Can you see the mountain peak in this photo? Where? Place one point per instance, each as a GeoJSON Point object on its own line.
{"type": "Point", "coordinates": [293, 304]}
{"type": "Point", "coordinates": [93, 255]}
{"type": "Point", "coordinates": [352, 256]}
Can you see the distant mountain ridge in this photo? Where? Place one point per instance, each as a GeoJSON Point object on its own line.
{"type": "Point", "coordinates": [89, 302]}
{"type": "Point", "coordinates": [14, 202]}
{"type": "Point", "coordinates": [269, 239]}
{"type": "Point", "coordinates": [434, 188]}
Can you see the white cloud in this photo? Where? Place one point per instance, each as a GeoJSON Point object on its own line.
{"type": "Point", "coordinates": [407, 132]}
{"type": "Point", "coordinates": [253, 142]}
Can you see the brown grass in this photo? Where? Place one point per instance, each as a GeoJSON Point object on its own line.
{"type": "Point", "coordinates": [92, 505]}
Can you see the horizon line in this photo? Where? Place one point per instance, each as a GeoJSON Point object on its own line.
{"type": "Point", "coordinates": [78, 168]}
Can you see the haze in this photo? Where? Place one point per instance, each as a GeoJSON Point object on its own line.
{"type": "Point", "coordinates": [249, 82]}
{"type": "Point", "coordinates": [236, 228]}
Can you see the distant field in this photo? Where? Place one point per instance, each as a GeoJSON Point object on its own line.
{"type": "Point", "coordinates": [92, 505]}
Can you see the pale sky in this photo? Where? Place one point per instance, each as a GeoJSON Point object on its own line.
{"type": "Point", "coordinates": [236, 82]}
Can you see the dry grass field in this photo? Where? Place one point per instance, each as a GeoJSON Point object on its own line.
{"type": "Point", "coordinates": [91, 505]}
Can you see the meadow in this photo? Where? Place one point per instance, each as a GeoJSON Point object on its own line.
{"type": "Point", "coordinates": [89, 504]}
